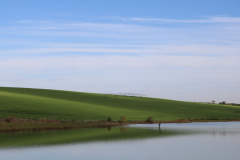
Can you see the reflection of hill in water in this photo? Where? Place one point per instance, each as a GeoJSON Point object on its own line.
{"type": "Point", "coordinates": [132, 132]}
{"type": "Point", "coordinates": [78, 136]}
{"type": "Point", "coordinates": [214, 128]}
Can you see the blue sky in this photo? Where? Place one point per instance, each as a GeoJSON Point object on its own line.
{"type": "Point", "coordinates": [184, 50]}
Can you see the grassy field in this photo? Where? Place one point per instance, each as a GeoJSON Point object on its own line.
{"type": "Point", "coordinates": [66, 105]}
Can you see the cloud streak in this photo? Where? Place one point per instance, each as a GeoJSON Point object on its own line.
{"type": "Point", "coordinates": [206, 20]}
{"type": "Point", "coordinates": [69, 49]}
{"type": "Point", "coordinates": [150, 61]}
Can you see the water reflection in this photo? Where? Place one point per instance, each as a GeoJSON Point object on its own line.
{"type": "Point", "coordinates": [174, 141]}
{"type": "Point", "coordinates": [20, 139]}
{"type": "Point", "coordinates": [222, 128]}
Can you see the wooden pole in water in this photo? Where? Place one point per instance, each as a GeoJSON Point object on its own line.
{"type": "Point", "coordinates": [159, 125]}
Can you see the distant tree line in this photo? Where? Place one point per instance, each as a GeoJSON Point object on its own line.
{"type": "Point", "coordinates": [225, 103]}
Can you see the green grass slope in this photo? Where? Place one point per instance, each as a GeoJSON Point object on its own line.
{"type": "Point", "coordinates": [63, 105]}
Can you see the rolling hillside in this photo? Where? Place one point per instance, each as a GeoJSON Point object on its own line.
{"type": "Point", "coordinates": [67, 105]}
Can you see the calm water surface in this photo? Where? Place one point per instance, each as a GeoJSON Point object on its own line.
{"type": "Point", "coordinates": [193, 141]}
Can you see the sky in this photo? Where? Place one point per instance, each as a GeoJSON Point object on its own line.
{"type": "Point", "coordinates": [173, 49]}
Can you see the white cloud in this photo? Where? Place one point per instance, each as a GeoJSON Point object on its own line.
{"type": "Point", "coordinates": [221, 19]}
{"type": "Point", "coordinates": [194, 49]}
{"type": "Point", "coordinates": [133, 33]}
{"type": "Point", "coordinates": [136, 62]}
{"type": "Point", "coordinates": [187, 63]}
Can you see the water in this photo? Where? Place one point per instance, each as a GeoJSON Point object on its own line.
{"type": "Point", "coordinates": [209, 141]}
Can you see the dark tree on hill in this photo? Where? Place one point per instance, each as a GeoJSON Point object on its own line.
{"type": "Point", "coordinates": [223, 102]}
{"type": "Point", "coordinates": [213, 102]}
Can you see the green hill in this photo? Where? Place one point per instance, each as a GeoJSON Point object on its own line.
{"type": "Point", "coordinates": [66, 105]}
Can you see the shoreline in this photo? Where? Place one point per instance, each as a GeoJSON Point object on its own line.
{"type": "Point", "coordinates": [19, 125]}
